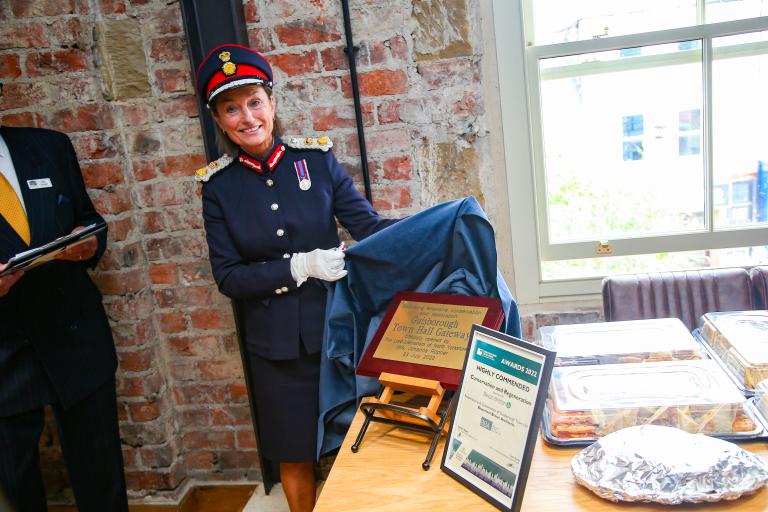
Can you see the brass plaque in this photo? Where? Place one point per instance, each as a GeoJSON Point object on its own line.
{"type": "Point", "coordinates": [429, 333]}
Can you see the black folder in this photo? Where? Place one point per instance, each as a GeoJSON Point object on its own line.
{"type": "Point", "coordinates": [33, 257]}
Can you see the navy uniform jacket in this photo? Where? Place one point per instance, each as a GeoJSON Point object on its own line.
{"type": "Point", "coordinates": [255, 221]}
{"type": "Point", "coordinates": [55, 340]}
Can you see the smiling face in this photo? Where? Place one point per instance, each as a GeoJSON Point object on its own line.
{"type": "Point", "coordinates": [246, 115]}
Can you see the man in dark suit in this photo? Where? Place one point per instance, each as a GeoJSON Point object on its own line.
{"type": "Point", "coordinates": [55, 341]}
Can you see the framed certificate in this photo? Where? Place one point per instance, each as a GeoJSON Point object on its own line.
{"type": "Point", "coordinates": [497, 413]}
{"type": "Point", "coordinates": [426, 335]}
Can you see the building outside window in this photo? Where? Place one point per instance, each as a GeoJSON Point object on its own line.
{"type": "Point", "coordinates": [679, 86]}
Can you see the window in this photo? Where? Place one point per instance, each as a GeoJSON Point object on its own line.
{"type": "Point", "coordinates": [685, 83]}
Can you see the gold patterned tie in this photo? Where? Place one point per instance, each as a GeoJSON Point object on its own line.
{"type": "Point", "coordinates": [12, 210]}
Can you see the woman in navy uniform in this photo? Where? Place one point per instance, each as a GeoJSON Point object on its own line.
{"type": "Point", "coordinates": [270, 208]}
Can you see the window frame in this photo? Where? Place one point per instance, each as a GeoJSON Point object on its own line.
{"type": "Point", "coordinates": [518, 68]}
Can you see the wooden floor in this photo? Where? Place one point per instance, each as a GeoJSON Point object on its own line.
{"type": "Point", "coordinates": [219, 498]}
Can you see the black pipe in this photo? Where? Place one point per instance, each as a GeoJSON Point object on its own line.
{"type": "Point", "coordinates": [351, 51]}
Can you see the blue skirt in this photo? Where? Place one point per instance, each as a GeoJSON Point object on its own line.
{"type": "Point", "coordinates": [285, 396]}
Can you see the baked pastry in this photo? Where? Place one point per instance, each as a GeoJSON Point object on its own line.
{"type": "Point", "coordinates": [587, 402]}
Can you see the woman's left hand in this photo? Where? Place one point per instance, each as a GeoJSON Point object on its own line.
{"type": "Point", "coordinates": [84, 250]}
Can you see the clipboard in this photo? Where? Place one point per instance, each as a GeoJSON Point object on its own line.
{"type": "Point", "coordinates": [39, 255]}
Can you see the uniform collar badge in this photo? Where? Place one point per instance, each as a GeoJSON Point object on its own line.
{"type": "Point", "coordinates": [302, 173]}
{"type": "Point", "coordinates": [269, 165]}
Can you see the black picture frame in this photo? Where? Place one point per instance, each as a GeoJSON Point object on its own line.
{"type": "Point", "coordinates": [464, 475]}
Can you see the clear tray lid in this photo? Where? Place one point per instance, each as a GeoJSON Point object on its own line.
{"type": "Point", "coordinates": [745, 331]}
{"type": "Point", "coordinates": [761, 390]}
{"type": "Point", "coordinates": [658, 335]}
{"type": "Point", "coordinates": [635, 385]}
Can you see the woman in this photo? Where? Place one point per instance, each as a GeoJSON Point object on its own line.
{"type": "Point", "coordinates": [270, 209]}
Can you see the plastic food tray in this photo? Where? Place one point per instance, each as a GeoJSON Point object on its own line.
{"type": "Point", "coordinates": [740, 341]}
{"type": "Point", "coordinates": [634, 341]}
{"type": "Point", "coordinates": [588, 402]}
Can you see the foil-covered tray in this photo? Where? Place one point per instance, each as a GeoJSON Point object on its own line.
{"type": "Point", "coordinates": [632, 341]}
{"type": "Point", "coordinates": [740, 339]}
{"type": "Point", "coordinates": [666, 465]}
{"type": "Point", "coordinates": [588, 402]}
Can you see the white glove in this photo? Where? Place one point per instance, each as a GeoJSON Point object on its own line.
{"type": "Point", "coordinates": [325, 264]}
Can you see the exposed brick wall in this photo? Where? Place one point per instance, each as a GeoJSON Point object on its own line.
{"type": "Point", "coordinates": [183, 407]}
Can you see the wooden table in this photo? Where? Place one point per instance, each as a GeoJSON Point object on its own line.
{"type": "Point", "coordinates": [386, 475]}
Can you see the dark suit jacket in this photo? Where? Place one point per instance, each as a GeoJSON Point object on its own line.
{"type": "Point", "coordinates": [55, 340]}
{"type": "Point", "coordinates": [250, 242]}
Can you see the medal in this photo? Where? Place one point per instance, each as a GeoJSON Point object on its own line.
{"type": "Point", "coordinates": [302, 173]}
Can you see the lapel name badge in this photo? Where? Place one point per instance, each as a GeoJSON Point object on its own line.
{"type": "Point", "coordinates": [302, 173]}
{"type": "Point", "coordinates": [39, 183]}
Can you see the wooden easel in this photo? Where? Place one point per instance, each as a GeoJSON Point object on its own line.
{"type": "Point", "coordinates": [423, 419]}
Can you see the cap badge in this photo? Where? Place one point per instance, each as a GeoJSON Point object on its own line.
{"type": "Point", "coordinates": [302, 173]}
{"type": "Point", "coordinates": [229, 68]}
{"type": "Point", "coordinates": [224, 56]}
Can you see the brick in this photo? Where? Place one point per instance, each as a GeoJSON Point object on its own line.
{"type": "Point", "coordinates": [111, 6]}
{"type": "Point", "coordinates": [182, 138]}
{"type": "Point", "coordinates": [325, 89]}
{"type": "Point", "coordinates": [135, 115]}
{"type": "Point", "coordinates": [54, 63]}
{"type": "Point", "coordinates": [399, 48]}
{"type": "Point", "coordinates": [238, 459]}
{"type": "Point", "coordinates": [25, 119]}
{"type": "Point", "coordinates": [293, 64]}
{"type": "Point", "coordinates": [22, 35]}
{"type": "Point", "coordinates": [202, 460]}
{"type": "Point", "coordinates": [163, 273]}
{"type": "Point", "coordinates": [219, 370]}
{"type": "Point", "coordinates": [21, 95]}
{"type": "Point", "coordinates": [391, 140]}
{"type": "Point", "coordinates": [196, 272]}
{"type": "Point", "coordinates": [238, 393]}
{"type": "Point", "coordinates": [172, 323]}
{"type": "Point", "coordinates": [210, 440]}
{"type": "Point", "coordinates": [123, 309]}
{"type": "Point", "coordinates": [145, 142]}
{"type": "Point", "coordinates": [261, 39]}
{"type": "Point", "coordinates": [183, 165]}
{"type": "Point", "coordinates": [82, 119]}
{"type": "Point", "coordinates": [119, 229]}
{"type": "Point", "coordinates": [95, 146]}
{"type": "Point", "coordinates": [170, 248]}
{"type": "Point", "coordinates": [180, 106]}
{"type": "Point", "coordinates": [135, 361]}
{"type": "Point", "coordinates": [334, 58]}
{"type": "Point", "coordinates": [182, 219]}
{"type": "Point", "coordinates": [314, 31]}
{"type": "Point", "coordinates": [251, 11]}
{"type": "Point", "coordinates": [130, 457]}
{"type": "Point", "coordinates": [168, 49]}
{"type": "Point", "coordinates": [35, 8]}
{"type": "Point", "coordinates": [159, 456]}
{"type": "Point", "coordinates": [329, 118]}
{"type": "Point", "coordinates": [246, 439]}
{"type": "Point", "coordinates": [69, 32]}
{"type": "Point", "coordinates": [200, 394]}
{"type": "Point", "coordinates": [377, 83]}
{"type": "Point", "coordinates": [152, 222]}
{"type": "Point", "coordinates": [143, 411]}
{"type": "Point", "coordinates": [147, 480]}
{"type": "Point", "coordinates": [199, 346]}
{"type": "Point", "coordinates": [392, 197]}
{"type": "Point", "coordinates": [121, 256]}
{"type": "Point", "coordinates": [112, 202]}
{"type": "Point", "coordinates": [196, 417]}
{"type": "Point", "coordinates": [131, 335]}
{"type": "Point", "coordinates": [146, 169]}
{"type": "Point", "coordinates": [211, 319]}
{"type": "Point", "coordinates": [120, 283]}
{"type": "Point", "coordinates": [103, 173]}
{"type": "Point", "coordinates": [173, 80]}
{"type": "Point", "coordinates": [444, 74]}
{"type": "Point", "coordinates": [9, 66]}
{"type": "Point", "coordinates": [165, 21]}
{"type": "Point", "coordinates": [130, 386]}
{"type": "Point", "coordinates": [389, 112]}
{"type": "Point", "coordinates": [231, 416]}
{"type": "Point", "coordinates": [398, 168]}
{"type": "Point", "coordinates": [161, 194]}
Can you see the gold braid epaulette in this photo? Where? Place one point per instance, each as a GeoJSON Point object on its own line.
{"type": "Point", "coordinates": [322, 143]}
{"type": "Point", "coordinates": [205, 173]}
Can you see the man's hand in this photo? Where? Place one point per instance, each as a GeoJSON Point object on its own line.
{"type": "Point", "coordinates": [7, 281]}
{"type": "Point", "coordinates": [84, 250]}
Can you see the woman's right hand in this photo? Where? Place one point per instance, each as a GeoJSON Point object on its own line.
{"type": "Point", "coordinates": [325, 264]}
{"type": "Point", "coordinates": [7, 281]}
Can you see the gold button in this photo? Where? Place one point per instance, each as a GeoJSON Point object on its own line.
{"type": "Point", "coordinates": [284, 288]}
{"type": "Point", "coordinates": [274, 206]}
{"type": "Point", "coordinates": [278, 291]}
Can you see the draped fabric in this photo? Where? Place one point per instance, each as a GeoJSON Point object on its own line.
{"type": "Point", "coordinates": [449, 248]}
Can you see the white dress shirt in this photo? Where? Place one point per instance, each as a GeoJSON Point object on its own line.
{"type": "Point", "coordinates": [9, 171]}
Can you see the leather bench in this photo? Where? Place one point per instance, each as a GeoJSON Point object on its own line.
{"type": "Point", "coordinates": [686, 295]}
{"type": "Point", "coordinates": [759, 278]}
